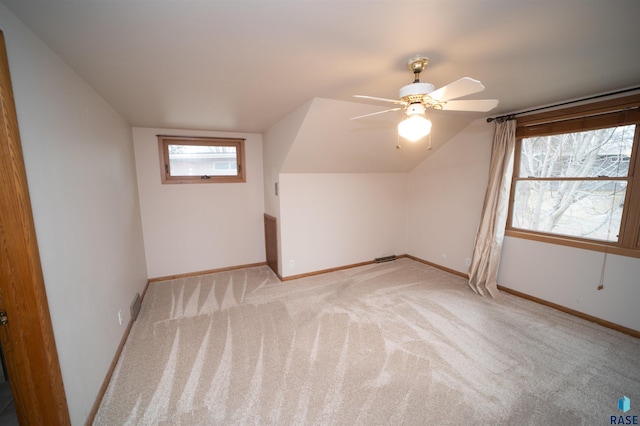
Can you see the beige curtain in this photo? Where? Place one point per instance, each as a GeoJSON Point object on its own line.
{"type": "Point", "coordinates": [483, 271]}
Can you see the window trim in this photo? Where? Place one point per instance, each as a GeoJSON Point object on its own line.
{"type": "Point", "coordinates": [597, 115]}
{"type": "Point", "coordinates": [165, 172]}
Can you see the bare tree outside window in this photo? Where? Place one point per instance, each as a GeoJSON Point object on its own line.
{"type": "Point", "coordinates": [186, 159]}
{"type": "Point", "coordinates": [574, 184]}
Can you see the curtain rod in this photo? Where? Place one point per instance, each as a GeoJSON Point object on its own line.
{"type": "Point", "coordinates": [513, 115]}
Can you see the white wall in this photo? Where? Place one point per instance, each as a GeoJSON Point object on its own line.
{"type": "Point", "coordinates": [445, 198]}
{"type": "Point", "coordinates": [333, 220]}
{"type": "Point", "coordinates": [277, 141]}
{"type": "Point", "coordinates": [329, 141]}
{"type": "Point", "coordinates": [198, 227]}
{"type": "Point", "coordinates": [570, 277]}
{"type": "Point", "coordinates": [80, 169]}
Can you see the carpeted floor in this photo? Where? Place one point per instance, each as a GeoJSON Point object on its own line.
{"type": "Point", "coordinates": [389, 344]}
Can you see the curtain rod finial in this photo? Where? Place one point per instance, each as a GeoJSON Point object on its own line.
{"type": "Point", "coordinates": [502, 118]}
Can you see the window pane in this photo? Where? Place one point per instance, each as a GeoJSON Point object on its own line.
{"type": "Point", "coordinates": [588, 209]}
{"type": "Point", "coordinates": [602, 152]}
{"type": "Point", "coordinates": [199, 160]}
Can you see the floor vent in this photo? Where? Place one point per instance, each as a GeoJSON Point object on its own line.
{"type": "Point", "coordinates": [385, 259]}
{"type": "Point", "coordinates": [135, 307]}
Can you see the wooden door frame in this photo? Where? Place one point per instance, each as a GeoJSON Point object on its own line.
{"type": "Point", "coordinates": [27, 338]}
{"type": "Point", "coordinates": [271, 242]}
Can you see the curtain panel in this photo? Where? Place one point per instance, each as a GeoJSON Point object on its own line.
{"type": "Point", "coordinates": [485, 260]}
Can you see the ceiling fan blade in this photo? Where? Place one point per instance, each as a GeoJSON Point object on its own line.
{"type": "Point", "coordinates": [376, 113]}
{"type": "Point", "coordinates": [373, 98]}
{"type": "Point", "coordinates": [479, 105]}
{"type": "Point", "coordinates": [463, 87]}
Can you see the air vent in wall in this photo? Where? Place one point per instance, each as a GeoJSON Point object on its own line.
{"type": "Point", "coordinates": [135, 307]}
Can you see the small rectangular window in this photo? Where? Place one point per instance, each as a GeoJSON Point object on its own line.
{"type": "Point", "coordinates": [201, 160]}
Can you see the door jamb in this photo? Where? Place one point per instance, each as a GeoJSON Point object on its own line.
{"type": "Point", "coordinates": [28, 341]}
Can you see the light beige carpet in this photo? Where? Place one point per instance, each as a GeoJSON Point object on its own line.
{"type": "Point", "coordinates": [389, 344]}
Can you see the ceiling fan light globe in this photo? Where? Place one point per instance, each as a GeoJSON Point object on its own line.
{"type": "Point", "coordinates": [414, 128]}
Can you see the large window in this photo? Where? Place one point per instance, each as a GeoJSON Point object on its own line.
{"type": "Point", "coordinates": [201, 160]}
{"type": "Point", "coordinates": [576, 179]}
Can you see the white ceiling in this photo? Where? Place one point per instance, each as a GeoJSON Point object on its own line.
{"type": "Point", "coordinates": [243, 65]}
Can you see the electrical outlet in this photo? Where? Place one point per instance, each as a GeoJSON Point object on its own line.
{"type": "Point", "coordinates": [120, 316]}
{"type": "Point", "coordinates": [291, 264]}
{"type": "Point", "coordinates": [444, 256]}
{"type": "Point", "coordinates": [467, 262]}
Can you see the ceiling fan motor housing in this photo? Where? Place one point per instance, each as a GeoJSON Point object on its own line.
{"type": "Point", "coordinates": [415, 92]}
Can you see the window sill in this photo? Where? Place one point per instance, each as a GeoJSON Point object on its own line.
{"type": "Point", "coordinates": [197, 179]}
{"type": "Point", "coordinates": [571, 242]}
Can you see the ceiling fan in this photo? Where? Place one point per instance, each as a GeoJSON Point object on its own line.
{"type": "Point", "coordinates": [417, 97]}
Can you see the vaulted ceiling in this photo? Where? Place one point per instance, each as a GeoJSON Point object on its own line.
{"type": "Point", "coordinates": [244, 65]}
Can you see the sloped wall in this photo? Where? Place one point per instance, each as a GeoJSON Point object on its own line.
{"type": "Point", "coordinates": [328, 141]}
{"type": "Point", "coordinates": [81, 174]}
{"type": "Point", "coordinates": [343, 183]}
{"type": "Point", "coordinates": [342, 187]}
{"type": "Point", "coordinates": [277, 142]}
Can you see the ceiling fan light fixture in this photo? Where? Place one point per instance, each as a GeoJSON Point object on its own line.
{"type": "Point", "coordinates": [415, 98]}
{"type": "Point", "coordinates": [414, 127]}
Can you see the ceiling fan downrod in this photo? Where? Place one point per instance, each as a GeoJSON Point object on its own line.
{"type": "Point", "coordinates": [417, 65]}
